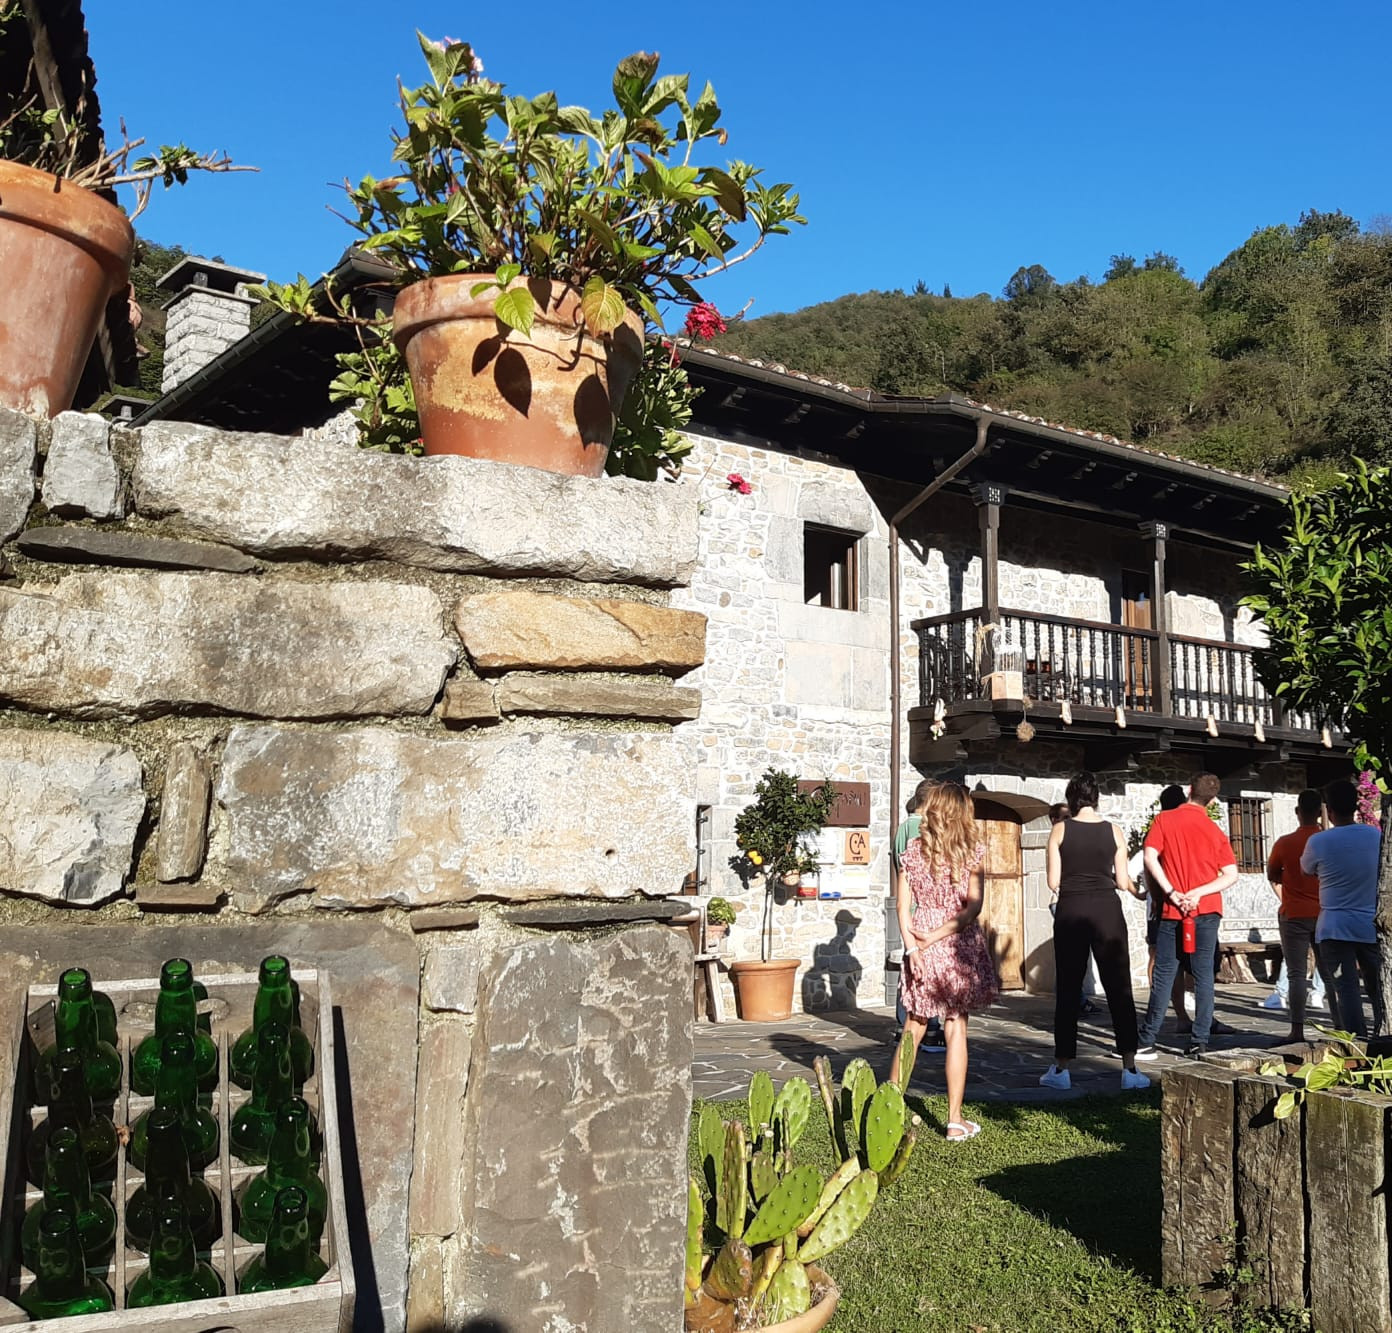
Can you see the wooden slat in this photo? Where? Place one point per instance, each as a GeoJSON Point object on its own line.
{"type": "Point", "coordinates": [1196, 1173]}
{"type": "Point", "coordinates": [1269, 1184]}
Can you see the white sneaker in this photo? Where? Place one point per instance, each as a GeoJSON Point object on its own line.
{"type": "Point", "coordinates": [1058, 1078]}
{"type": "Point", "coordinates": [1274, 1001]}
{"type": "Point", "coordinates": [1133, 1081]}
{"type": "Point", "coordinates": [1315, 1002]}
{"type": "Point", "coordinates": [1147, 1053]}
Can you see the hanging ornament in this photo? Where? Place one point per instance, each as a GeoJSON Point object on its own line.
{"type": "Point", "coordinates": [1259, 732]}
{"type": "Point", "coordinates": [1212, 725]}
{"type": "Point", "coordinates": [1066, 713]}
{"type": "Point", "coordinates": [1121, 717]}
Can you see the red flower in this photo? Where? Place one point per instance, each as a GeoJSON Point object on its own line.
{"type": "Point", "coordinates": [703, 322]}
{"type": "Point", "coordinates": [738, 483]}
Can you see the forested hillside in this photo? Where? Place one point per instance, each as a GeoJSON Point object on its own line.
{"type": "Point", "coordinates": [1279, 361]}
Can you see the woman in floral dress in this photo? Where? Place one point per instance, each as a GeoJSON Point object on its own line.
{"type": "Point", "coordinates": [947, 968]}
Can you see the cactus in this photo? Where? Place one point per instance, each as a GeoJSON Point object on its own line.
{"type": "Point", "coordinates": [883, 1126]}
{"type": "Point", "coordinates": [904, 1061]}
{"type": "Point", "coordinates": [843, 1218]}
{"type": "Point", "coordinates": [821, 1066]}
{"type": "Point", "coordinates": [769, 1266]}
{"type": "Point", "coordinates": [763, 1178]}
{"type": "Point", "coordinates": [895, 1169]}
{"type": "Point", "coordinates": [695, 1225]}
{"type": "Point", "coordinates": [786, 1207]}
{"type": "Point", "coordinates": [710, 1139]}
{"type": "Point", "coordinates": [731, 1276]}
{"type": "Point", "coordinates": [846, 1173]}
{"type": "Point", "coordinates": [760, 1102]}
{"type": "Point", "coordinates": [862, 1087]}
{"type": "Point", "coordinates": [734, 1196]}
{"type": "Point", "coordinates": [794, 1105]}
{"type": "Point", "coordinates": [789, 1293]}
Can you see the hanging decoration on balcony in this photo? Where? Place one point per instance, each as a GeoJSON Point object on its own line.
{"type": "Point", "coordinates": [1121, 717]}
{"type": "Point", "coordinates": [1024, 729]}
{"type": "Point", "coordinates": [1006, 657]}
{"type": "Point", "coordinates": [1066, 713]}
{"type": "Point", "coordinates": [1259, 732]}
{"type": "Point", "coordinates": [1211, 723]}
{"type": "Point", "coordinates": [939, 720]}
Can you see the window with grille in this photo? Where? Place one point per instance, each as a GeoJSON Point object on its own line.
{"type": "Point", "coordinates": [1249, 818]}
{"type": "Point", "coordinates": [829, 568]}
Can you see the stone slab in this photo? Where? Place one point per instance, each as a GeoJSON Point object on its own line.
{"type": "Point", "coordinates": [1196, 1173]}
{"type": "Point", "coordinates": [469, 701]}
{"type": "Point", "coordinates": [1269, 1185]}
{"type": "Point", "coordinates": [443, 918]}
{"type": "Point", "coordinates": [521, 628]}
{"type": "Point", "coordinates": [449, 980]}
{"type": "Point", "coordinates": [577, 916]}
{"type": "Point", "coordinates": [183, 826]}
{"type": "Point", "coordinates": [80, 477]}
{"type": "Point", "coordinates": [286, 497]}
{"type": "Point", "coordinates": [582, 694]}
{"type": "Point", "coordinates": [99, 546]}
{"type": "Point", "coordinates": [69, 812]}
{"type": "Point", "coordinates": [179, 896]}
{"type": "Point", "coordinates": [370, 816]}
{"type": "Point", "coordinates": [374, 972]}
{"type": "Point", "coordinates": [442, 1079]}
{"type": "Point", "coordinates": [19, 439]}
{"type": "Point", "coordinates": [425, 1303]}
{"type": "Point", "coordinates": [575, 1212]}
{"type": "Point", "coordinates": [138, 644]}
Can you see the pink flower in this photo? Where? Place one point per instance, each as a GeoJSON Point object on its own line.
{"type": "Point", "coordinates": [738, 483]}
{"type": "Point", "coordinates": [703, 322]}
{"type": "Point", "coordinates": [1369, 799]}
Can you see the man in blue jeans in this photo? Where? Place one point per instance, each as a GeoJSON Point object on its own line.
{"type": "Point", "coordinates": [1345, 858]}
{"type": "Point", "coordinates": [1190, 862]}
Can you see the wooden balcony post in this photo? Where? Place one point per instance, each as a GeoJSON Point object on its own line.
{"type": "Point", "coordinates": [1159, 534]}
{"type": "Point", "coordinates": [989, 497]}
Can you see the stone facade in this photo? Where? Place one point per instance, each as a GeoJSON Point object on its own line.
{"type": "Point", "coordinates": [200, 325]}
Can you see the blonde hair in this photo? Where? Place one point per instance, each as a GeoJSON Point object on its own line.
{"type": "Point", "coordinates": [947, 830]}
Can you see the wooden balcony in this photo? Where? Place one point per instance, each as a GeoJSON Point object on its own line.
{"type": "Point", "coordinates": [1173, 691]}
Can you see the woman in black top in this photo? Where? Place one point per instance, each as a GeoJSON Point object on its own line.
{"type": "Point", "coordinates": [1087, 866]}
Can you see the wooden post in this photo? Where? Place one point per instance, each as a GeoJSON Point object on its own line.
{"type": "Point", "coordinates": [1269, 1193]}
{"type": "Point", "coordinates": [1159, 534]}
{"type": "Point", "coordinates": [1196, 1173]}
{"type": "Point", "coordinates": [989, 497]}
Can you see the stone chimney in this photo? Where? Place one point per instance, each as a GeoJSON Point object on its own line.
{"type": "Point", "coordinates": [208, 312]}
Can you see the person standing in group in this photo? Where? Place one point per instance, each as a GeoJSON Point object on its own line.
{"type": "Point", "coordinates": [1344, 858]}
{"type": "Point", "coordinates": [948, 967]}
{"type": "Point", "coordinates": [904, 834]}
{"type": "Point", "coordinates": [1058, 812]}
{"type": "Point", "coordinates": [1191, 862]}
{"type": "Point", "coordinates": [1299, 896]}
{"type": "Point", "coordinates": [1171, 798]}
{"type": "Point", "coordinates": [1086, 868]}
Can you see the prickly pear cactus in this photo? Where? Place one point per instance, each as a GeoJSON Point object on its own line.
{"type": "Point", "coordinates": [760, 1102]}
{"type": "Point", "coordinates": [821, 1067]}
{"type": "Point", "coordinates": [734, 1197]}
{"type": "Point", "coordinates": [710, 1139]}
{"type": "Point", "coordinates": [843, 1176]}
{"type": "Point", "coordinates": [842, 1219]}
{"type": "Point", "coordinates": [731, 1276]}
{"type": "Point", "coordinates": [786, 1207]}
{"type": "Point", "coordinates": [883, 1126]}
{"type": "Point", "coordinates": [794, 1105]}
{"type": "Point", "coordinates": [895, 1169]}
{"type": "Point", "coordinates": [763, 1178]}
{"type": "Point", "coordinates": [695, 1226]}
{"type": "Point", "coordinates": [904, 1061]}
{"type": "Point", "coordinates": [789, 1293]}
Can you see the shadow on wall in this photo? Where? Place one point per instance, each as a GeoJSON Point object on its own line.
{"type": "Point", "coordinates": [833, 979]}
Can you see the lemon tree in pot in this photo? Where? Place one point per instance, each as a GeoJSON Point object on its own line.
{"type": "Point", "coordinates": [759, 1225]}
{"type": "Point", "coordinates": [535, 245]}
{"type": "Point", "coordinates": [770, 832]}
{"type": "Point", "coordinates": [65, 249]}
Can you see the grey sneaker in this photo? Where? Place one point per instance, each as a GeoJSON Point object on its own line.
{"type": "Point", "coordinates": [1194, 1051]}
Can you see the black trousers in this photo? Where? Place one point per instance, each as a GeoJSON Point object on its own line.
{"type": "Point", "coordinates": [1091, 922]}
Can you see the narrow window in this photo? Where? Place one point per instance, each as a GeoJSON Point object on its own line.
{"type": "Point", "coordinates": [703, 849]}
{"type": "Point", "coordinates": [1248, 820]}
{"type": "Point", "coordinates": [829, 568]}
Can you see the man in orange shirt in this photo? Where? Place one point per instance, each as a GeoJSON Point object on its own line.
{"type": "Point", "coordinates": [1300, 904]}
{"type": "Point", "coordinates": [1191, 862]}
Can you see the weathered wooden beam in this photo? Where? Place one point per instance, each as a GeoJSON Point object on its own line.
{"type": "Point", "coordinates": [1269, 1184]}
{"type": "Point", "coordinates": [1196, 1173]}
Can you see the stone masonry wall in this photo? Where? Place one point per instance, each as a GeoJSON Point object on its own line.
{"type": "Point", "coordinates": [260, 691]}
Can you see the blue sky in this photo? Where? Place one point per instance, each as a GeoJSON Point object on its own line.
{"type": "Point", "coordinates": [950, 143]}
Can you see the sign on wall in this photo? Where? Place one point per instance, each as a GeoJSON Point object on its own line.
{"type": "Point", "coordinates": [856, 851]}
{"type": "Point", "coordinates": [851, 808]}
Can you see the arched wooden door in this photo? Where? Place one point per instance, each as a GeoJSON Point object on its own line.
{"type": "Point", "coordinates": [1003, 908]}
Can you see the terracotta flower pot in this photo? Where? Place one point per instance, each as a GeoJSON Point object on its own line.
{"type": "Point", "coordinates": [764, 991]}
{"type": "Point", "coordinates": [487, 391]}
{"type": "Point", "coordinates": [64, 253]}
{"type": "Point", "coordinates": [713, 1318]}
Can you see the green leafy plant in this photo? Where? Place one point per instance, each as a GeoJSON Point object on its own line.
{"type": "Point", "coordinates": [1345, 1064]}
{"type": "Point", "coordinates": [762, 1218]}
{"type": "Point", "coordinates": [719, 912]}
{"type": "Point", "coordinates": [1135, 839]}
{"type": "Point", "coordinates": [621, 207]}
{"type": "Point", "coordinates": [770, 833]}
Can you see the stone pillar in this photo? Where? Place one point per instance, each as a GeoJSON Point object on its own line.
{"type": "Point", "coordinates": [208, 312]}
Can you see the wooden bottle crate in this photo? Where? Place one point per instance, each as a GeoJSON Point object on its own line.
{"type": "Point", "coordinates": [326, 1307]}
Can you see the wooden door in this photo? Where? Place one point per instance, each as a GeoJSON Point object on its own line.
{"type": "Point", "coordinates": [1136, 613]}
{"type": "Point", "coordinates": [1003, 908]}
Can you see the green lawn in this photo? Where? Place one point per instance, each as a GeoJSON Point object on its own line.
{"type": "Point", "coordinates": [1049, 1221]}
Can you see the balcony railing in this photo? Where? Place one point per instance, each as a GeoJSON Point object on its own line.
{"type": "Point", "coordinates": [1094, 665]}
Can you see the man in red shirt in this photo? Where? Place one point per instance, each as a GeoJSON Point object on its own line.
{"type": "Point", "coordinates": [1190, 860]}
{"type": "Point", "coordinates": [1300, 903]}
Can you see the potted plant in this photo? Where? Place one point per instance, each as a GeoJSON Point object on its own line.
{"type": "Point", "coordinates": [720, 916]}
{"type": "Point", "coordinates": [769, 833]}
{"type": "Point", "coordinates": [535, 244]}
{"type": "Point", "coordinates": [65, 251]}
{"type": "Point", "coordinates": [758, 1225]}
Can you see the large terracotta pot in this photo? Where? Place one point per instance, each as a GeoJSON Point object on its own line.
{"type": "Point", "coordinates": [712, 1319]}
{"type": "Point", "coordinates": [64, 253]}
{"type": "Point", "coordinates": [764, 991]}
{"type": "Point", "coordinates": [487, 391]}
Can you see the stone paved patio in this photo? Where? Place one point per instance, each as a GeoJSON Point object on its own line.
{"type": "Point", "coordinates": [1011, 1045]}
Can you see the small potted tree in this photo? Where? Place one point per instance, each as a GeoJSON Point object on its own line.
{"type": "Point", "coordinates": [769, 833]}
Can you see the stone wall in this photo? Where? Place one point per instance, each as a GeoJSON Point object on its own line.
{"type": "Point", "coordinates": [258, 690]}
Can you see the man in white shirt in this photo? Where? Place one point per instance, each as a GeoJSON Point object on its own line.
{"type": "Point", "coordinates": [1345, 858]}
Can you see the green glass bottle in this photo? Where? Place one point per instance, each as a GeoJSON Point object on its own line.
{"type": "Point", "coordinates": [62, 1285]}
{"type": "Point", "coordinates": [176, 1273]}
{"type": "Point", "coordinates": [176, 1010]}
{"type": "Point", "coordinates": [277, 1001]}
{"type": "Point", "coordinates": [289, 1259]}
{"type": "Point", "coordinates": [177, 1088]}
{"type": "Point", "coordinates": [80, 1020]}
{"type": "Point", "coordinates": [253, 1126]}
{"type": "Point", "coordinates": [70, 1104]}
{"type": "Point", "coordinates": [291, 1162]}
{"type": "Point", "coordinates": [167, 1174]}
{"type": "Point", "coordinates": [67, 1185]}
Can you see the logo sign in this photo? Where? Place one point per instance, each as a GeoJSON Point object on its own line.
{"type": "Point", "coordinates": [851, 809]}
{"type": "Point", "coordinates": [857, 851]}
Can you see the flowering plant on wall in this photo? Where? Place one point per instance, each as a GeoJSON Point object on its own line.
{"type": "Point", "coordinates": [1369, 799]}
